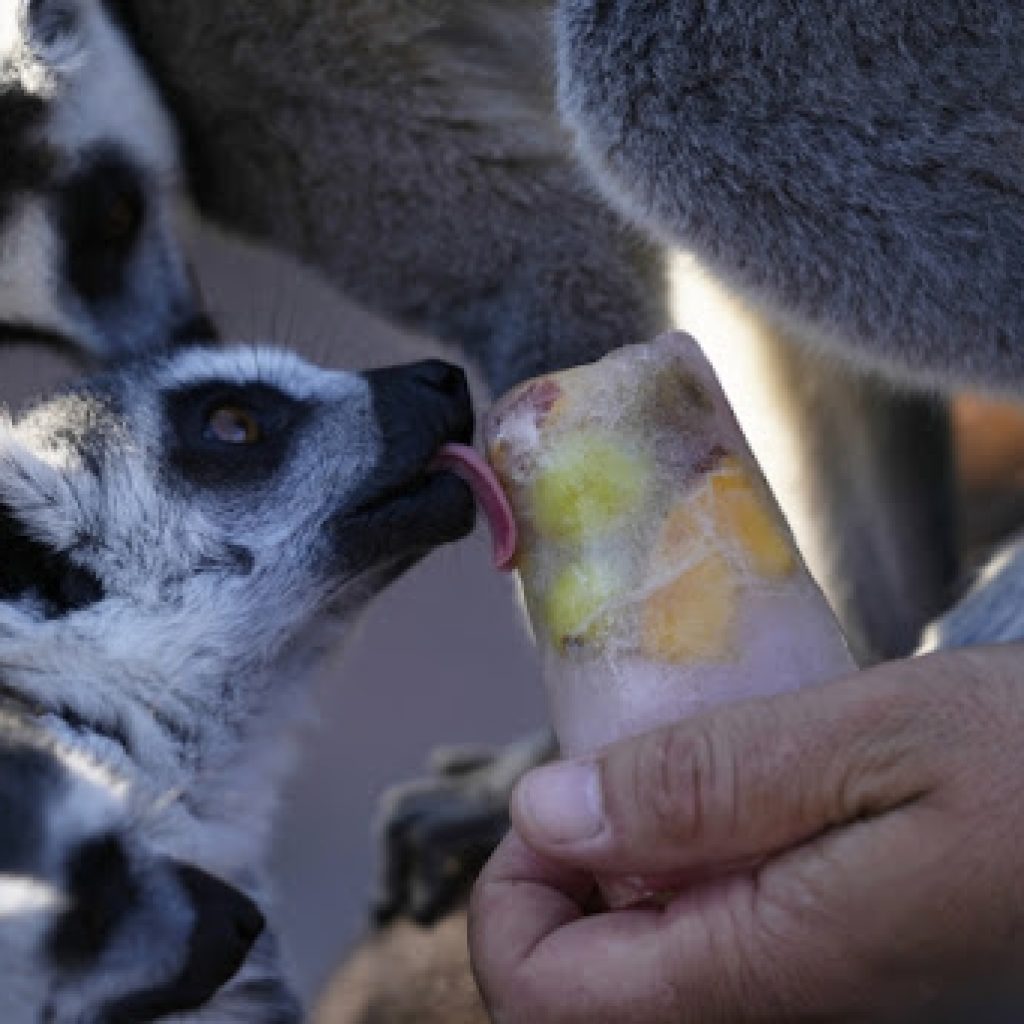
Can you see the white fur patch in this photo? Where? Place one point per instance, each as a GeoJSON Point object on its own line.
{"type": "Point", "coordinates": [260, 364]}
{"type": "Point", "coordinates": [9, 26]}
{"type": "Point", "coordinates": [28, 267]}
{"type": "Point", "coordinates": [107, 97]}
{"type": "Point", "coordinates": [20, 896]}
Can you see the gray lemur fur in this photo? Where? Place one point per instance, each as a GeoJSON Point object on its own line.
{"type": "Point", "coordinates": [412, 152]}
{"type": "Point", "coordinates": [854, 167]}
{"type": "Point", "coordinates": [184, 539]}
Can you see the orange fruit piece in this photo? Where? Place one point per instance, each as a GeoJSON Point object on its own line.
{"type": "Point", "coordinates": [685, 529]}
{"type": "Point", "coordinates": [692, 618]}
{"type": "Point", "coordinates": [742, 513]}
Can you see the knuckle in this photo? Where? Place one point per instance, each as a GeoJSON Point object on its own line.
{"type": "Point", "coordinates": [987, 692]}
{"type": "Point", "coordinates": [681, 781]}
{"type": "Point", "coordinates": [921, 733]}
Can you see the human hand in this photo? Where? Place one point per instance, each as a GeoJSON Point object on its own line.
{"type": "Point", "coordinates": [884, 814]}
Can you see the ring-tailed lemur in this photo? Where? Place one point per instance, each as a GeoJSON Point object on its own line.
{"type": "Point", "coordinates": [183, 538]}
{"type": "Point", "coordinates": [90, 188]}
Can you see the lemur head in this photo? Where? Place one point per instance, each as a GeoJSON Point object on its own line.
{"type": "Point", "coordinates": [174, 533]}
{"type": "Point", "coordinates": [89, 186]}
{"type": "Point", "coordinates": [190, 517]}
{"type": "Point", "coordinates": [95, 928]}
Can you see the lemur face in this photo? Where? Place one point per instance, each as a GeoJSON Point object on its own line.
{"type": "Point", "coordinates": [89, 187]}
{"type": "Point", "coordinates": [199, 510]}
{"type": "Point", "coordinates": [80, 897]}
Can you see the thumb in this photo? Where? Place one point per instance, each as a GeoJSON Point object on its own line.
{"type": "Point", "coordinates": [743, 781]}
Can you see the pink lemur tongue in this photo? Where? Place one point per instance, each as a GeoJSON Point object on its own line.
{"type": "Point", "coordinates": [466, 464]}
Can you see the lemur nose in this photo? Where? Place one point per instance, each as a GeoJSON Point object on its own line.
{"type": "Point", "coordinates": [441, 376]}
{"type": "Point", "coordinates": [433, 394]}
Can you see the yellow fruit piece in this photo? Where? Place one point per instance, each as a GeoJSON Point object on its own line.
{"type": "Point", "coordinates": [693, 618]}
{"type": "Point", "coordinates": [588, 485]}
{"type": "Point", "coordinates": [575, 600]}
{"type": "Point", "coordinates": [742, 513]}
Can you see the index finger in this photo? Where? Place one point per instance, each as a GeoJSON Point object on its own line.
{"type": "Point", "coordinates": [538, 957]}
{"type": "Point", "coordinates": [519, 899]}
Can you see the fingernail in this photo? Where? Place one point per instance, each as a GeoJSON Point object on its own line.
{"type": "Point", "coordinates": [561, 803]}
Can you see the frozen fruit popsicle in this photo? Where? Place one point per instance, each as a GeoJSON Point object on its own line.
{"type": "Point", "coordinates": [659, 574]}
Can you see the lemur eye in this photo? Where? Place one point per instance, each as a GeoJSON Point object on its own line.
{"type": "Point", "coordinates": [120, 219]}
{"type": "Point", "coordinates": [230, 434]}
{"type": "Point", "coordinates": [102, 212]}
{"type": "Point", "coordinates": [231, 424]}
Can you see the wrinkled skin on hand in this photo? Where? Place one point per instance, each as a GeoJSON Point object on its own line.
{"type": "Point", "coordinates": [880, 820]}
